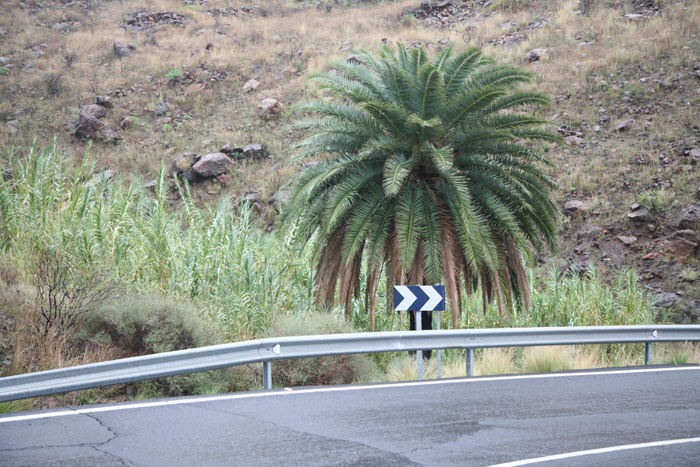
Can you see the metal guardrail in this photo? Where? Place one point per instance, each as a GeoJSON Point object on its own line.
{"type": "Point", "coordinates": [268, 350]}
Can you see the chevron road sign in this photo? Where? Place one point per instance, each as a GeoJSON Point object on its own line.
{"type": "Point", "coordinates": [419, 297]}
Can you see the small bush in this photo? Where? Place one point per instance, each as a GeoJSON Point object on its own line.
{"type": "Point", "coordinates": [53, 84]}
{"type": "Point", "coordinates": [338, 369]}
{"type": "Point", "coordinates": [174, 76]}
{"type": "Point", "coordinates": [511, 6]}
{"type": "Point", "coordinates": [546, 359]}
{"type": "Point", "coordinates": [497, 361]}
{"type": "Point", "coordinates": [140, 325]}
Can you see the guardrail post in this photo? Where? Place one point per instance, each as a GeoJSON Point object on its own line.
{"type": "Point", "coordinates": [647, 353]}
{"type": "Point", "coordinates": [267, 374]}
{"type": "Point", "coordinates": [439, 351]}
{"type": "Point", "coordinates": [419, 353]}
{"type": "Point", "coordinates": [469, 357]}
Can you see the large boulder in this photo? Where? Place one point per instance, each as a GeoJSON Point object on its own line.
{"type": "Point", "coordinates": [88, 127]}
{"type": "Point", "coordinates": [269, 108]}
{"type": "Point", "coordinates": [120, 50]}
{"type": "Point", "coordinates": [211, 165]}
{"type": "Point", "coordinates": [534, 55]}
{"type": "Point", "coordinates": [679, 245]}
{"type": "Point", "coordinates": [95, 110]}
{"type": "Point", "coordinates": [690, 218]}
{"type": "Point", "coordinates": [182, 165]}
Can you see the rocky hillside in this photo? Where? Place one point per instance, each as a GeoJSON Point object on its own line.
{"type": "Point", "coordinates": [205, 88]}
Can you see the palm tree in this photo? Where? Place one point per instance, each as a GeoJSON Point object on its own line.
{"type": "Point", "coordinates": [427, 174]}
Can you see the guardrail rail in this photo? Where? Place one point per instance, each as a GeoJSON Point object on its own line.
{"type": "Point", "coordinates": [266, 351]}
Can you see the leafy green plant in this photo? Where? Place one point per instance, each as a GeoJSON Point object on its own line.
{"type": "Point", "coordinates": [174, 76]}
{"type": "Point", "coordinates": [4, 70]}
{"type": "Point", "coordinates": [422, 178]}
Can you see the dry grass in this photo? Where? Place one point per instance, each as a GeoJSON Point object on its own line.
{"type": "Point", "coordinates": [497, 361]}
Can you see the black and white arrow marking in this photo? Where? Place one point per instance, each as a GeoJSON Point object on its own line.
{"type": "Point", "coordinates": [419, 297]}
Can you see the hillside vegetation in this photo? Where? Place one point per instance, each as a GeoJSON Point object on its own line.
{"type": "Point", "coordinates": [160, 263]}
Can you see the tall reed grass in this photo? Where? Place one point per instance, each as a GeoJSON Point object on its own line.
{"type": "Point", "coordinates": [213, 256]}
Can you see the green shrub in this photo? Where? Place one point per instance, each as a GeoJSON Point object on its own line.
{"type": "Point", "coordinates": [511, 5]}
{"type": "Point", "coordinates": [338, 369]}
{"type": "Point", "coordinates": [140, 325]}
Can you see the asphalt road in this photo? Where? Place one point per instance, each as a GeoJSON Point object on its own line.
{"type": "Point", "coordinates": [638, 417]}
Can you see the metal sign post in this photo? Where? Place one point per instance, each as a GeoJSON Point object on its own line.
{"type": "Point", "coordinates": [420, 298]}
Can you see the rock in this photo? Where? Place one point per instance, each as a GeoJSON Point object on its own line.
{"type": "Point", "coordinates": [426, 6]}
{"type": "Point", "coordinates": [251, 198]}
{"type": "Point", "coordinates": [88, 127]}
{"type": "Point", "coordinates": [183, 163]}
{"type": "Point", "coordinates": [110, 134]}
{"type": "Point", "coordinates": [251, 85]}
{"type": "Point", "coordinates": [627, 240]}
{"type": "Point", "coordinates": [694, 155]}
{"type": "Point", "coordinates": [3, 31]}
{"type": "Point", "coordinates": [650, 256]}
{"type": "Point", "coordinates": [589, 231]}
{"type": "Point", "coordinates": [697, 193]}
{"type": "Point", "coordinates": [690, 219]}
{"type": "Point", "coordinates": [534, 55]}
{"type": "Point", "coordinates": [126, 122]}
{"type": "Point", "coordinates": [161, 109]}
{"type": "Point", "coordinates": [151, 185]}
{"type": "Point", "coordinates": [640, 215]}
{"type": "Point", "coordinates": [634, 18]}
{"type": "Point", "coordinates": [635, 207]}
{"type": "Point", "coordinates": [679, 245]}
{"type": "Point", "coordinates": [269, 107]}
{"type": "Point", "coordinates": [211, 165]}
{"type": "Point", "coordinates": [120, 50]}
{"type": "Point", "coordinates": [101, 178]}
{"type": "Point", "coordinates": [574, 206]}
{"type": "Point", "coordinates": [625, 125]}
{"type": "Point", "coordinates": [104, 101]}
{"type": "Point", "coordinates": [573, 140]}
{"type": "Point", "coordinates": [255, 151]}
{"type": "Point", "coordinates": [226, 149]}
{"type": "Point", "coordinates": [281, 198]}
{"type": "Point", "coordinates": [94, 110]}
{"type": "Point", "coordinates": [353, 59]}
{"type": "Point", "coordinates": [666, 300]}
{"type": "Point", "coordinates": [11, 128]}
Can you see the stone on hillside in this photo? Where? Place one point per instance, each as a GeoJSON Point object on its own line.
{"type": "Point", "coordinates": [635, 207]}
{"type": "Point", "coordinates": [625, 125]}
{"type": "Point", "coordinates": [95, 110]}
{"type": "Point", "coordinates": [211, 165]}
{"type": "Point", "coordinates": [255, 151]}
{"type": "Point", "coordinates": [574, 206]}
{"type": "Point", "coordinates": [269, 107]}
{"type": "Point", "coordinates": [281, 198]}
{"type": "Point", "coordinates": [251, 85]}
{"type": "Point", "coordinates": [640, 215]}
{"type": "Point", "coordinates": [627, 240]}
{"type": "Point", "coordinates": [251, 198]}
{"type": "Point", "coordinates": [183, 163]}
{"type": "Point", "coordinates": [88, 127]}
{"type": "Point", "coordinates": [104, 101]}
{"type": "Point", "coordinates": [690, 219]}
{"type": "Point", "coordinates": [573, 140]}
{"type": "Point", "coordinates": [534, 55]}
{"type": "Point", "coordinates": [694, 155]}
{"type": "Point", "coordinates": [634, 18]}
{"type": "Point", "coordinates": [126, 122]}
{"type": "Point", "coordinates": [162, 109]}
{"type": "Point", "coordinates": [120, 50]}
{"type": "Point", "coordinates": [697, 193]}
{"type": "Point", "coordinates": [110, 134]}
{"type": "Point", "coordinates": [101, 178]}
{"type": "Point", "coordinates": [426, 5]}
{"type": "Point", "coordinates": [589, 231]}
{"type": "Point", "coordinates": [3, 31]}
{"type": "Point", "coordinates": [679, 245]}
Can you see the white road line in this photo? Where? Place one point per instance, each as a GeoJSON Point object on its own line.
{"type": "Point", "coordinates": [287, 392]}
{"type": "Point", "coordinates": [568, 455]}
